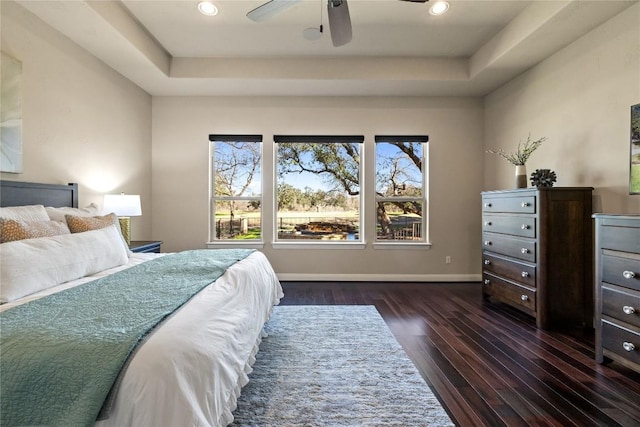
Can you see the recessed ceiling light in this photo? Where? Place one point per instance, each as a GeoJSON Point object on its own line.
{"type": "Point", "coordinates": [439, 8]}
{"type": "Point", "coordinates": [207, 8]}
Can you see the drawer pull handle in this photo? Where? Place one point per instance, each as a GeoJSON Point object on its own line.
{"type": "Point", "coordinates": [524, 204]}
{"type": "Point", "coordinates": [487, 281]}
{"type": "Point", "coordinates": [525, 274]}
{"type": "Point", "coordinates": [525, 227]}
{"type": "Point", "coordinates": [628, 310]}
{"type": "Point", "coordinates": [487, 262]}
{"type": "Point", "coordinates": [524, 298]}
{"type": "Point", "coordinates": [524, 250]}
{"type": "Point", "coordinates": [628, 346]}
{"type": "Point", "coordinates": [487, 242]}
{"type": "Point", "coordinates": [487, 205]}
{"type": "Point", "coordinates": [487, 224]}
{"type": "Point", "coordinates": [628, 274]}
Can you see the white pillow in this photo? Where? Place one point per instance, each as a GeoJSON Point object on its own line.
{"type": "Point", "coordinates": [58, 214]}
{"type": "Point", "coordinates": [25, 213]}
{"type": "Point", "coordinates": [32, 265]}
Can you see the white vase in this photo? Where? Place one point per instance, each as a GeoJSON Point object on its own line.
{"type": "Point", "coordinates": [521, 176]}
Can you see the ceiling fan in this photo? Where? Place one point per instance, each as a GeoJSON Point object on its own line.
{"type": "Point", "coordinates": [337, 11]}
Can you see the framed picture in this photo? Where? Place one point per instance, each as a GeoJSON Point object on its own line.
{"type": "Point", "coordinates": [10, 114]}
{"type": "Point", "coordinates": [634, 167]}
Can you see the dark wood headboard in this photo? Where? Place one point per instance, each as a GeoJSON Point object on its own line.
{"type": "Point", "coordinates": [16, 193]}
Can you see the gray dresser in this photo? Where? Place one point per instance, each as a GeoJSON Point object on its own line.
{"type": "Point", "coordinates": [618, 289]}
{"type": "Point", "coordinates": [537, 253]}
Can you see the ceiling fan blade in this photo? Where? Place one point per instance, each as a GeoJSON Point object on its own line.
{"type": "Point", "coordinates": [339, 22]}
{"type": "Point", "coordinates": [416, 1]}
{"type": "Point", "coordinates": [270, 9]}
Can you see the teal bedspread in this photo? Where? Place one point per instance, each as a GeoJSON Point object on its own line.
{"type": "Point", "coordinates": [60, 355]}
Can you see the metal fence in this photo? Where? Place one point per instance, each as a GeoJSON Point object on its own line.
{"type": "Point", "coordinates": [228, 228]}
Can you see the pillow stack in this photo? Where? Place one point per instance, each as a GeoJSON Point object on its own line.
{"type": "Point", "coordinates": [43, 247]}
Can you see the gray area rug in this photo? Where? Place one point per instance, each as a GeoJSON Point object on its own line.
{"type": "Point", "coordinates": [334, 366]}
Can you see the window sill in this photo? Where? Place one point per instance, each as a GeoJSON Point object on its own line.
{"type": "Point", "coordinates": [402, 245]}
{"type": "Point", "coordinates": [235, 244]}
{"type": "Point", "coordinates": [314, 245]}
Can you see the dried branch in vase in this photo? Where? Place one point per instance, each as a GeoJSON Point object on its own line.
{"type": "Point", "coordinates": [522, 154]}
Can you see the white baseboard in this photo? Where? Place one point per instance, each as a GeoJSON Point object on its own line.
{"type": "Point", "coordinates": [303, 277]}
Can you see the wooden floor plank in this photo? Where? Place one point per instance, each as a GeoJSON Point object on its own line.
{"type": "Point", "coordinates": [523, 387]}
{"type": "Point", "coordinates": [584, 407]}
{"type": "Point", "coordinates": [488, 364]}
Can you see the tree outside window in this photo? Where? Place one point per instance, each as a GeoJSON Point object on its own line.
{"type": "Point", "coordinates": [318, 188]}
{"type": "Point", "coordinates": [400, 188]}
{"type": "Point", "coordinates": [236, 201]}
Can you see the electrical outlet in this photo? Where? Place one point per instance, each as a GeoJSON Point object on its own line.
{"type": "Point", "coordinates": [447, 259]}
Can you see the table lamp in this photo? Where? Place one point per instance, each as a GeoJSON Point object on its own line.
{"type": "Point", "coordinates": [125, 206]}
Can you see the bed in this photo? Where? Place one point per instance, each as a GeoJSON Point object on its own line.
{"type": "Point", "coordinates": [187, 369]}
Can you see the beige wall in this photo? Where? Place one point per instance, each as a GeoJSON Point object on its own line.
{"type": "Point", "coordinates": [580, 99]}
{"type": "Point", "coordinates": [82, 121]}
{"type": "Point", "coordinates": [181, 169]}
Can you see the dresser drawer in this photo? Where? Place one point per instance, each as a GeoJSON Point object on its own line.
{"type": "Point", "coordinates": [510, 246]}
{"type": "Point", "coordinates": [622, 271]}
{"type": "Point", "coordinates": [520, 272]}
{"type": "Point", "coordinates": [621, 304]}
{"type": "Point", "coordinates": [524, 226]}
{"type": "Point", "coordinates": [621, 341]}
{"type": "Point", "coordinates": [509, 292]}
{"type": "Point", "coordinates": [625, 239]}
{"type": "Point", "coordinates": [518, 204]}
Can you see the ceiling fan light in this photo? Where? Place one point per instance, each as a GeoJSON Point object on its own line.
{"type": "Point", "coordinates": [339, 22]}
{"type": "Point", "coordinates": [207, 8]}
{"type": "Point", "coordinates": [439, 8]}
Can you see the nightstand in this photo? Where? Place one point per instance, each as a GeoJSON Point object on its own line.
{"type": "Point", "coordinates": [145, 246]}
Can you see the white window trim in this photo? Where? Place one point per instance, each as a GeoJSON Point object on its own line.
{"type": "Point", "coordinates": [250, 244]}
{"type": "Point", "coordinates": [245, 244]}
{"type": "Point", "coordinates": [327, 244]}
{"type": "Point", "coordinates": [403, 244]}
{"type": "Point", "coordinates": [314, 244]}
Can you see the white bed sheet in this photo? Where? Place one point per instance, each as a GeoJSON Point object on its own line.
{"type": "Point", "coordinates": [189, 370]}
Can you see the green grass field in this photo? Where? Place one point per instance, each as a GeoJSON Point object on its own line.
{"type": "Point", "coordinates": [634, 182]}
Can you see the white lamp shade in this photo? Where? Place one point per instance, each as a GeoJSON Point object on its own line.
{"type": "Point", "coordinates": [122, 204]}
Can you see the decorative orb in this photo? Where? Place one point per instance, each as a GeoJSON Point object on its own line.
{"type": "Point", "coordinates": [543, 178]}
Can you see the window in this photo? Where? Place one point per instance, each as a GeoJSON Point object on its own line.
{"type": "Point", "coordinates": [318, 188]}
{"type": "Point", "coordinates": [401, 200]}
{"type": "Point", "coordinates": [236, 188]}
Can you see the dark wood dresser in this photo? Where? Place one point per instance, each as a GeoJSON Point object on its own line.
{"type": "Point", "coordinates": [618, 289]}
{"type": "Point", "coordinates": [537, 253]}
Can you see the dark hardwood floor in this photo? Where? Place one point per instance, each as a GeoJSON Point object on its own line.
{"type": "Point", "coordinates": [487, 363]}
